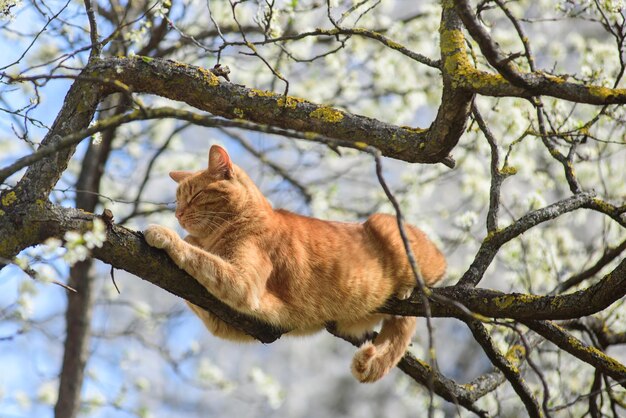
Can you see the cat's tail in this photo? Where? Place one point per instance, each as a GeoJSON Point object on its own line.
{"type": "Point", "coordinates": [375, 358]}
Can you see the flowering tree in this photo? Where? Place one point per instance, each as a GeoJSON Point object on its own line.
{"type": "Point", "coordinates": [518, 174]}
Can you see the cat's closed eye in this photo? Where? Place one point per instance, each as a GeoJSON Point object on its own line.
{"type": "Point", "coordinates": [195, 196]}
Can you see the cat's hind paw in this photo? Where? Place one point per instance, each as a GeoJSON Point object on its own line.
{"type": "Point", "coordinates": [159, 236]}
{"type": "Point", "coordinates": [405, 292]}
{"type": "Point", "coordinates": [368, 364]}
{"type": "Point", "coordinates": [362, 362]}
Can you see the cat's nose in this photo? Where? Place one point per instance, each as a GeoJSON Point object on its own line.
{"type": "Point", "coordinates": [179, 213]}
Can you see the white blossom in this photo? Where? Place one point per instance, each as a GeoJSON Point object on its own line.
{"type": "Point", "coordinates": [27, 287]}
{"type": "Point", "coordinates": [78, 244]}
{"type": "Point", "coordinates": [142, 309]}
{"type": "Point", "coordinates": [466, 220]}
{"type": "Point", "coordinates": [25, 307]}
{"type": "Point", "coordinates": [144, 412]}
{"type": "Point", "coordinates": [211, 373]}
{"type": "Point", "coordinates": [21, 262]}
{"type": "Point", "coordinates": [22, 399]}
{"type": "Point", "coordinates": [76, 254]}
{"type": "Point", "coordinates": [52, 245]}
{"type": "Point", "coordinates": [535, 201]}
{"type": "Point", "coordinates": [97, 236]}
{"type": "Point", "coordinates": [142, 383]}
{"type": "Point", "coordinates": [194, 347]}
{"type": "Point", "coordinates": [7, 8]}
{"type": "Point", "coordinates": [72, 238]}
{"type": "Point", "coordinates": [161, 9]}
{"type": "Point", "coordinates": [96, 138]}
{"type": "Point", "coordinates": [135, 150]}
{"type": "Point", "coordinates": [96, 400]}
{"type": "Point", "coordinates": [268, 387]}
{"type": "Point", "coordinates": [48, 393]}
{"type": "Point", "coordinates": [45, 273]}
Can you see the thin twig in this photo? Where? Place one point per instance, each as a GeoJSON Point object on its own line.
{"type": "Point", "coordinates": [96, 46]}
{"type": "Point", "coordinates": [423, 290]}
{"type": "Point", "coordinates": [113, 280]}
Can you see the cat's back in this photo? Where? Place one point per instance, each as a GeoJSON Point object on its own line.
{"type": "Point", "coordinates": [302, 245]}
{"type": "Point", "coordinates": [314, 234]}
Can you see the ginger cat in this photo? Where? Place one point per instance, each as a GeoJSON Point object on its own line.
{"type": "Point", "coordinates": [292, 271]}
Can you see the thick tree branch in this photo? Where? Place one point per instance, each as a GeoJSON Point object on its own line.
{"type": "Point", "coordinates": [617, 213]}
{"type": "Point", "coordinates": [125, 247]}
{"type": "Point", "coordinates": [202, 89]}
{"type": "Point", "coordinates": [523, 84]}
{"type": "Point", "coordinates": [456, 101]}
{"type": "Point", "coordinates": [494, 304]}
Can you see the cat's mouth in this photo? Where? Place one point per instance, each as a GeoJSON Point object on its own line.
{"type": "Point", "coordinates": [187, 226]}
{"type": "Point", "coordinates": [182, 223]}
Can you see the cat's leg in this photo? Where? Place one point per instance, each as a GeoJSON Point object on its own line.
{"type": "Point", "coordinates": [239, 286]}
{"type": "Point", "coordinates": [375, 358]}
{"type": "Point", "coordinates": [218, 327]}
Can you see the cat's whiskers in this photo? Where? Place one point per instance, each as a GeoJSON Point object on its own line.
{"type": "Point", "coordinates": [209, 219]}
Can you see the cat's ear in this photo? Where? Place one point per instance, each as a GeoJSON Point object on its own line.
{"type": "Point", "coordinates": [220, 165]}
{"type": "Point", "coordinates": [179, 176]}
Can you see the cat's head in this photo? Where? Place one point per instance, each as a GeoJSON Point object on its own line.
{"type": "Point", "coordinates": [222, 193]}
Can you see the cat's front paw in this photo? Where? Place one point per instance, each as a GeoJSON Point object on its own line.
{"type": "Point", "coordinates": [159, 236]}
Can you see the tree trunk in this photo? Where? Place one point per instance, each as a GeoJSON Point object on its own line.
{"type": "Point", "coordinates": [80, 304]}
